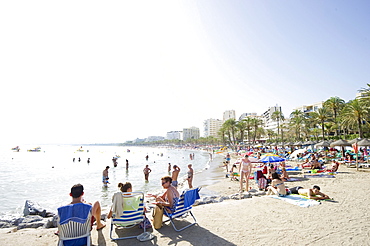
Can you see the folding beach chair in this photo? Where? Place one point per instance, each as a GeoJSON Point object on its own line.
{"type": "Point", "coordinates": [183, 207]}
{"type": "Point", "coordinates": [74, 224]}
{"type": "Point", "coordinates": [128, 211]}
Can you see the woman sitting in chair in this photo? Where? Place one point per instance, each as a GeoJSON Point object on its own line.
{"type": "Point", "coordinates": [170, 198]}
{"type": "Point", "coordinates": [127, 187]}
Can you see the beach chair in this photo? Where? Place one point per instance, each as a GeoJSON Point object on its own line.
{"type": "Point", "coordinates": [128, 211]}
{"type": "Point", "coordinates": [74, 224]}
{"type": "Point", "coordinates": [183, 207]}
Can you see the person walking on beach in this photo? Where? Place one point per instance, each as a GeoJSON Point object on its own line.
{"type": "Point", "coordinates": [245, 169]}
{"type": "Point", "coordinates": [175, 175]}
{"type": "Point", "coordinates": [77, 191]}
{"type": "Point", "coordinates": [146, 171]}
{"type": "Point", "coordinates": [105, 176]}
{"type": "Point", "coordinates": [190, 176]}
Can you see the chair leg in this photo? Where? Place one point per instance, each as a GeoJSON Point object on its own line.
{"type": "Point", "coordinates": [181, 229]}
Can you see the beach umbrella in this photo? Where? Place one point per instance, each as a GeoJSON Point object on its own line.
{"type": "Point", "coordinates": [356, 140]}
{"type": "Point", "coordinates": [299, 143]}
{"type": "Point", "coordinates": [340, 142]}
{"type": "Point", "coordinates": [364, 142]}
{"type": "Point", "coordinates": [323, 144]}
{"type": "Point", "coordinates": [309, 143]}
{"type": "Point", "coordinates": [270, 158]}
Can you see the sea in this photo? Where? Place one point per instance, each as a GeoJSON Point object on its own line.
{"type": "Point", "coordinates": [46, 177]}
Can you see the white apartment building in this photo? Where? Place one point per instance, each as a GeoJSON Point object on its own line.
{"type": "Point", "coordinates": [190, 133]}
{"type": "Point", "coordinates": [245, 115]}
{"type": "Point", "coordinates": [268, 122]}
{"type": "Point", "coordinates": [229, 114]}
{"type": "Point", "coordinates": [211, 127]}
{"type": "Point", "coordinates": [174, 135]}
{"type": "Point", "coordinates": [310, 108]}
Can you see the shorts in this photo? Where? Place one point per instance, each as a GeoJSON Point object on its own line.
{"type": "Point", "coordinates": [175, 183]}
{"type": "Point", "coordinates": [294, 190]}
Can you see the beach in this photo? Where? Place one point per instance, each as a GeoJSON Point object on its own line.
{"type": "Point", "coordinates": [259, 220]}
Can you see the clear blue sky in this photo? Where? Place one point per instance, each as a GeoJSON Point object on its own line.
{"type": "Point", "coordinates": [89, 71]}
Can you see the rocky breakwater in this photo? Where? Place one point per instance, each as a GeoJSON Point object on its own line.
{"type": "Point", "coordinates": [34, 216]}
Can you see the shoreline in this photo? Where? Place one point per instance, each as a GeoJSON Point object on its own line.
{"type": "Point", "coordinates": [259, 220]}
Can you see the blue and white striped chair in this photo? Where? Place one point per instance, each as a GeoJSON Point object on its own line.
{"type": "Point", "coordinates": [74, 224]}
{"type": "Point", "coordinates": [128, 211]}
{"type": "Point", "coordinates": [183, 207]}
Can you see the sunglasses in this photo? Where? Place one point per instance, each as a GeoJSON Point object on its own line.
{"type": "Point", "coordinates": [163, 183]}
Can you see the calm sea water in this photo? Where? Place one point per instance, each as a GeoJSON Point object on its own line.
{"type": "Point", "coordinates": [46, 177]}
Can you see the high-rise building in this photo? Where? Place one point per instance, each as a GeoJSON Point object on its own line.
{"type": "Point", "coordinates": [268, 122]}
{"type": "Point", "coordinates": [229, 114]}
{"type": "Point", "coordinates": [211, 127]}
{"type": "Point", "coordinates": [190, 133]}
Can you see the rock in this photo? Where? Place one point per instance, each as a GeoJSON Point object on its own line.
{"type": "Point", "coordinates": [4, 224]}
{"type": "Point", "coordinates": [51, 223]}
{"type": "Point", "coordinates": [32, 208]}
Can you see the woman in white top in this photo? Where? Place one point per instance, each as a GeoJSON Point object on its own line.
{"type": "Point", "coordinates": [245, 170]}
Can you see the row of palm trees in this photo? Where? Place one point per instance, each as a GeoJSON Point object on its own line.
{"type": "Point", "coordinates": [336, 119]}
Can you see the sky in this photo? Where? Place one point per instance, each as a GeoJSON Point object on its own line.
{"type": "Point", "coordinates": [108, 72]}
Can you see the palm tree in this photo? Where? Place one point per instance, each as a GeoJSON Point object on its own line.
{"type": "Point", "coordinates": [256, 123]}
{"type": "Point", "coordinates": [241, 127]}
{"type": "Point", "coordinates": [335, 104]}
{"type": "Point", "coordinates": [248, 127]}
{"type": "Point", "coordinates": [355, 113]}
{"type": "Point", "coordinates": [296, 122]}
{"type": "Point", "coordinates": [322, 115]}
{"type": "Point", "coordinates": [230, 126]}
{"type": "Point", "coordinates": [277, 116]}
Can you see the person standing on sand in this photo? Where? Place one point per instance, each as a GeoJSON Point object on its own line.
{"type": "Point", "coordinates": [77, 191]}
{"type": "Point", "coordinates": [245, 169]}
{"type": "Point", "coordinates": [175, 175]}
{"type": "Point", "coordinates": [190, 176]}
{"type": "Point", "coordinates": [146, 171]}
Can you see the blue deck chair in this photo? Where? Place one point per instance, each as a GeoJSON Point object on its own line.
{"type": "Point", "coordinates": [128, 211]}
{"type": "Point", "coordinates": [183, 207]}
{"type": "Point", "coordinates": [74, 224]}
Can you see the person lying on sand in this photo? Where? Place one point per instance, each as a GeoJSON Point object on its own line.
{"type": "Point", "coordinates": [313, 193]}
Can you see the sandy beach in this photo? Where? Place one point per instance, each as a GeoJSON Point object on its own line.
{"type": "Point", "coordinates": [259, 220]}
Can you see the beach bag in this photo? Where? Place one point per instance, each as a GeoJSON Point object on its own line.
{"type": "Point", "coordinates": [146, 223]}
{"type": "Point", "coordinates": [157, 217]}
{"type": "Point", "coordinates": [262, 183]}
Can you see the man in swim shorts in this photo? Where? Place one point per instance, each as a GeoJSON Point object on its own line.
{"type": "Point", "coordinates": [313, 193]}
{"type": "Point", "coordinates": [175, 174]}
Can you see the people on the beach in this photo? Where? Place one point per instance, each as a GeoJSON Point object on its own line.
{"type": "Point", "coordinates": [77, 191]}
{"type": "Point", "coordinates": [127, 187]}
{"type": "Point", "coordinates": [105, 176]}
{"type": "Point", "coordinates": [190, 176]}
{"type": "Point", "coordinates": [126, 164]}
{"type": "Point", "coordinates": [175, 174]}
{"type": "Point", "coordinates": [169, 168]}
{"type": "Point", "coordinates": [146, 157]}
{"type": "Point", "coordinates": [245, 169]}
{"type": "Point", "coordinates": [146, 172]}
{"type": "Point", "coordinates": [313, 193]}
{"type": "Point", "coordinates": [169, 198]}
{"type": "Point", "coordinates": [284, 174]}
{"type": "Point", "coordinates": [88, 160]}
{"type": "Point", "coordinates": [277, 186]}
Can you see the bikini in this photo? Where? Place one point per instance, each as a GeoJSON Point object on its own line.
{"type": "Point", "coordinates": [245, 164]}
{"type": "Point", "coordinates": [175, 201]}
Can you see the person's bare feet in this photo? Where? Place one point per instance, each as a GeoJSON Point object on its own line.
{"type": "Point", "coordinates": [100, 227]}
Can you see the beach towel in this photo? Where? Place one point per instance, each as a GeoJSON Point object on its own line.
{"type": "Point", "coordinates": [297, 200]}
{"type": "Point", "coordinates": [190, 196]}
{"type": "Point", "coordinates": [118, 206]}
{"type": "Point", "coordinates": [74, 212]}
{"type": "Point", "coordinates": [292, 180]}
{"type": "Point", "coordinates": [319, 176]}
